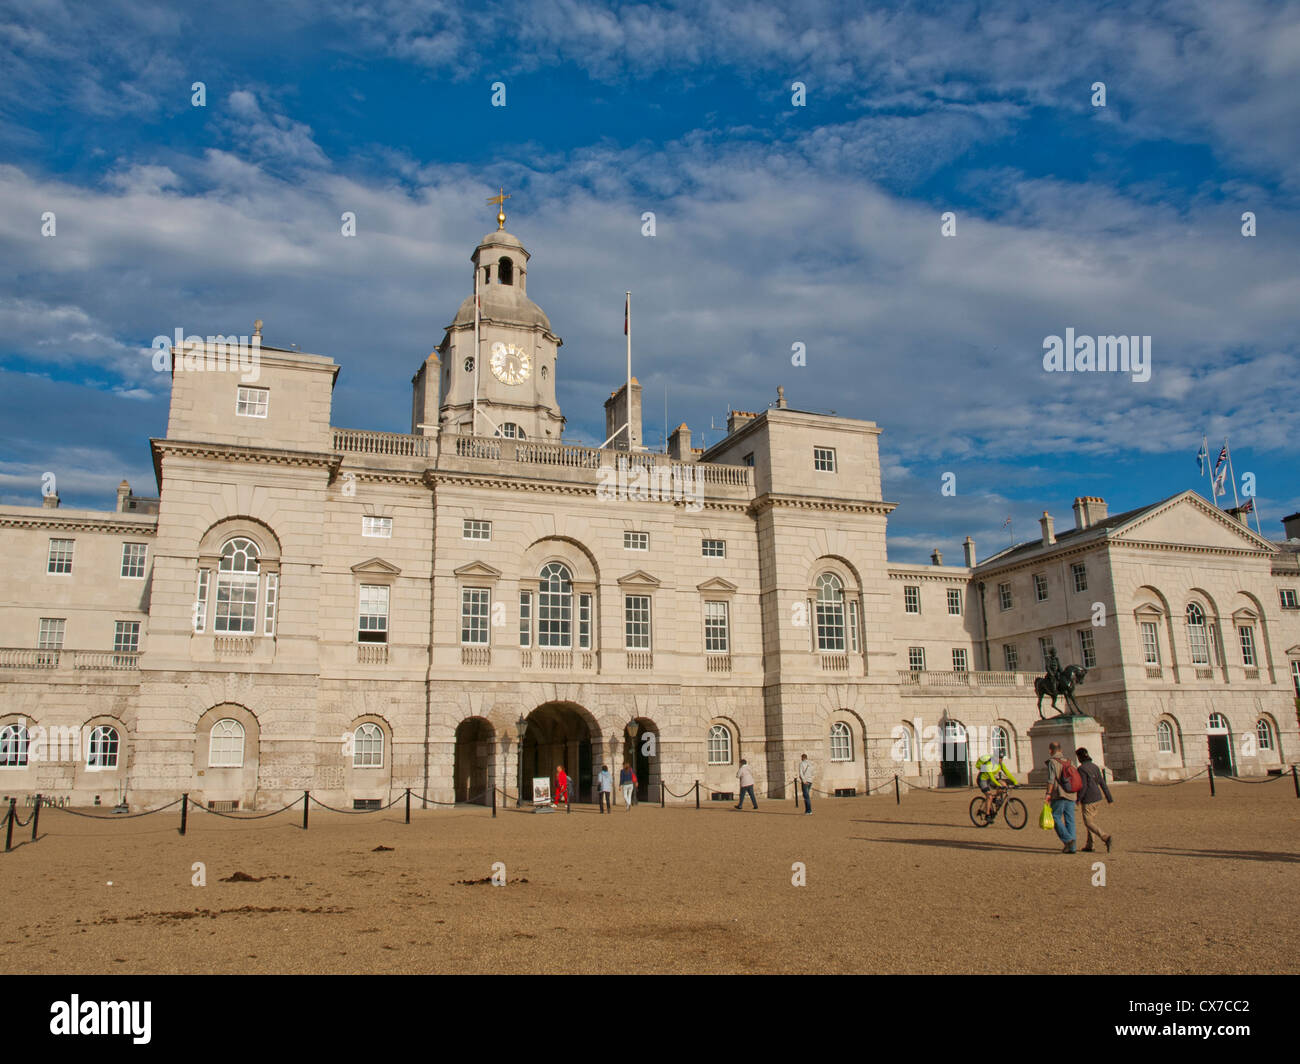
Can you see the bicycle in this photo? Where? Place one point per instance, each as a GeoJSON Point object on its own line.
{"type": "Point", "coordinates": [1013, 810]}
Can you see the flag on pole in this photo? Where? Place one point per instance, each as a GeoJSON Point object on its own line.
{"type": "Point", "coordinates": [1219, 487]}
{"type": "Point", "coordinates": [1006, 522]}
{"type": "Point", "coordinates": [1223, 457]}
{"type": "Point", "coordinates": [1247, 506]}
{"type": "Point", "coordinates": [1203, 455]}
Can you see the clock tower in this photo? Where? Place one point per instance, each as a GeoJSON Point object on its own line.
{"type": "Point", "coordinates": [513, 364]}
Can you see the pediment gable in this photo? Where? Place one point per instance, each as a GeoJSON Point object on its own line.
{"type": "Point", "coordinates": [1294, 652]}
{"type": "Point", "coordinates": [1188, 519]}
{"type": "Point", "coordinates": [638, 578]}
{"type": "Point", "coordinates": [478, 570]}
{"type": "Point", "coordinates": [376, 567]}
{"type": "Point", "coordinates": [718, 585]}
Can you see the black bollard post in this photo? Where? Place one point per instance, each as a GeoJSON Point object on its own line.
{"type": "Point", "coordinates": [1211, 779]}
{"type": "Point", "coordinates": [661, 790]}
{"type": "Point", "coordinates": [1296, 780]}
{"type": "Point", "coordinates": [494, 802]}
{"type": "Point", "coordinates": [36, 817]}
{"type": "Point", "coordinates": [9, 825]}
{"type": "Point", "coordinates": [898, 797]}
{"type": "Point", "coordinates": [306, 797]}
{"type": "Point", "coordinates": [697, 794]}
{"type": "Point", "coordinates": [185, 810]}
{"type": "Point", "coordinates": [408, 804]}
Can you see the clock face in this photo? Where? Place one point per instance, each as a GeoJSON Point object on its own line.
{"type": "Point", "coordinates": [510, 364]}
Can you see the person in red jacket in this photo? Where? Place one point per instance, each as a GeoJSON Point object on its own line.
{"type": "Point", "coordinates": [561, 786]}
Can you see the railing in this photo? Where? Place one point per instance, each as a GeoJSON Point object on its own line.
{"type": "Point", "coordinates": [1252, 674]}
{"type": "Point", "coordinates": [31, 658]}
{"type": "Point", "coordinates": [233, 646]}
{"type": "Point", "coordinates": [395, 444]}
{"type": "Point", "coordinates": [476, 656]}
{"type": "Point", "coordinates": [718, 662]}
{"type": "Point", "coordinates": [640, 660]}
{"type": "Point", "coordinates": [372, 653]}
{"type": "Point", "coordinates": [834, 662]}
{"type": "Point", "coordinates": [1155, 672]}
{"type": "Point", "coordinates": [959, 678]}
{"type": "Point", "coordinates": [559, 660]}
{"type": "Point", "coordinates": [1205, 674]}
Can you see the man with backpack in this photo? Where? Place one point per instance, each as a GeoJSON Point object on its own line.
{"type": "Point", "coordinates": [1063, 786]}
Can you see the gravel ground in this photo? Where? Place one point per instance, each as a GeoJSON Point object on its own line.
{"type": "Point", "coordinates": [1195, 885]}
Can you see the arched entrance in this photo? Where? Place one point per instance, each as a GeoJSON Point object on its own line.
{"type": "Point", "coordinates": [641, 751]}
{"type": "Point", "coordinates": [953, 759]}
{"type": "Point", "coordinates": [560, 733]}
{"type": "Point", "coordinates": [472, 772]}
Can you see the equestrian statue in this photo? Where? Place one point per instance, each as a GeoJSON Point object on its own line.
{"type": "Point", "coordinates": [1059, 682]}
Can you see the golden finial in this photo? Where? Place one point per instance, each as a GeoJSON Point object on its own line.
{"type": "Point", "coordinates": [500, 201]}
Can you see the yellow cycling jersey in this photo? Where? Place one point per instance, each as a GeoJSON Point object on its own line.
{"type": "Point", "coordinates": [989, 771]}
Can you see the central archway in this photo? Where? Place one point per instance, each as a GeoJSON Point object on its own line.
{"type": "Point", "coordinates": [560, 733]}
{"type": "Point", "coordinates": [473, 765]}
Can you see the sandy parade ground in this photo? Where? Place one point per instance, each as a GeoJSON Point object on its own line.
{"type": "Point", "coordinates": [889, 888]}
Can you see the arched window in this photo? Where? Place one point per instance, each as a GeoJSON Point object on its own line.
{"type": "Point", "coordinates": [237, 587]}
{"type": "Point", "coordinates": [102, 750]}
{"type": "Point", "coordinates": [903, 744]}
{"type": "Point", "coordinates": [226, 745]}
{"type": "Point", "coordinates": [1196, 635]}
{"type": "Point", "coordinates": [505, 271]}
{"type": "Point", "coordinates": [1001, 743]}
{"type": "Point", "coordinates": [555, 607]}
{"type": "Point", "coordinates": [1218, 724]}
{"type": "Point", "coordinates": [1164, 737]}
{"type": "Point", "coordinates": [719, 745]}
{"type": "Point", "coordinates": [511, 431]}
{"type": "Point", "coordinates": [830, 613]}
{"type": "Point", "coordinates": [13, 746]}
{"type": "Point", "coordinates": [368, 747]}
{"type": "Point", "coordinates": [1264, 734]}
{"type": "Point", "coordinates": [841, 742]}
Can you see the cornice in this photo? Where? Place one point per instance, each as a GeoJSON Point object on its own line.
{"type": "Point", "coordinates": [772, 501]}
{"type": "Point", "coordinates": [954, 572]}
{"type": "Point", "coordinates": [83, 523]}
{"type": "Point", "coordinates": [551, 487]}
{"type": "Point", "coordinates": [1191, 548]}
{"type": "Point", "coordinates": [242, 453]}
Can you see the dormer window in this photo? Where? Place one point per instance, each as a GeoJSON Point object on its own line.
{"type": "Point", "coordinates": [505, 271]}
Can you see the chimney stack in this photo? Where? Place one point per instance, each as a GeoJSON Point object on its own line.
{"type": "Point", "coordinates": [1088, 511]}
{"type": "Point", "coordinates": [123, 493]}
{"type": "Point", "coordinates": [780, 397]}
{"type": "Point", "coordinates": [936, 558]}
{"type": "Point", "coordinates": [1291, 526]}
{"type": "Point", "coordinates": [1049, 531]}
{"type": "Point", "coordinates": [679, 444]}
{"type": "Point", "coordinates": [968, 546]}
{"type": "Point", "coordinates": [50, 502]}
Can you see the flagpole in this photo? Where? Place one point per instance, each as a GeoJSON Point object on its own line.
{"type": "Point", "coordinates": [629, 372]}
{"type": "Point", "coordinates": [1235, 501]}
{"type": "Point", "coordinates": [1204, 458]}
{"type": "Point", "coordinates": [474, 427]}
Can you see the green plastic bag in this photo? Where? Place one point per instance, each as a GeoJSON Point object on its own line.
{"type": "Point", "coordinates": [1045, 819]}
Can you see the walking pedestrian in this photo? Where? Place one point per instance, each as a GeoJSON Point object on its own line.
{"type": "Point", "coordinates": [1061, 799]}
{"type": "Point", "coordinates": [1094, 789]}
{"type": "Point", "coordinates": [625, 784]}
{"type": "Point", "coordinates": [805, 781]}
{"type": "Point", "coordinates": [746, 778]}
{"type": "Point", "coordinates": [561, 786]}
{"type": "Point", "coordinates": [604, 790]}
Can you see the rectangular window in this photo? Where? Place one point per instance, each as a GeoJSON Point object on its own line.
{"type": "Point", "coordinates": [916, 659]}
{"type": "Point", "coordinates": [133, 558]}
{"type": "Point", "coordinates": [60, 560]}
{"type": "Point", "coordinates": [584, 622]}
{"type": "Point", "coordinates": [51, 633]}
{"type": "Point", "coordinates": [911, 599]}
{"type": "Point", "coordinates": [372, 620]}
{"type": "Point", "coordinates": [636, 540]}
{"type": "Point", "coordinates": [126, 637]}
{"type": "Point", "coordinates": [853, 625]}
{"type": "Point", "coordinates": [958, 659]}
{"type": "Point", "coordinates": [1288, 597]}
{"type": "Point", "coordinates": [272, 594]}
{"type": "Point", "coordinates": [954, 601]}
{"type": "Point", "coordinates": [473, 529]}
{"type": "Point", "coordinates": [1247, 645]}
{"type": "Point", "coordinates": [1004, 596]}
{"type": "Point", "coordinates": [1044, 645]}
{"type": "Point", "coordinates": [1295, 677]}
{"type": "Point", "coordinates": [252, 402]}
{"type": "Point", "coordinates": [824, 459]}
{"type": "Point", "coordinates": [1010, 657]}
{"type": "Point", "coordinates": [1040, 587]}
{"type": "Point", "coordinates": [474, 616]}
{"type": "Point", "coordinates": [1150, 643]}
{"type": "Point", "coordinates": [525, 618]}
{"type": "Point", "coordinates": [1087, 649]}
{"type": "Point", "coordinates": [636, 622]}
{"type": "Point", "coordinates": [713, 548]}
{"type": "Point", "coordinates": [201, 601]}
{"type": "Point", "coordinates": [749, 461]}
{"type": "Point", "coordinates": [377, 527]}
{"type": "Point", "coordinates": [716, 629]}
{"type": "Point", "coordinates": [1080, 573]}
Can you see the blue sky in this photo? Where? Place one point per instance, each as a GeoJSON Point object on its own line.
{"type": "Point", "coordinates": [776, 224]}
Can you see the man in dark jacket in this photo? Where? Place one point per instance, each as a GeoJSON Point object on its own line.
{"type": "Point", "coordinates": [1094, 789]}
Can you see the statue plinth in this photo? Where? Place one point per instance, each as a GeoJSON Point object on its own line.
{"type": "Point", "coordinates": [1071, 732]}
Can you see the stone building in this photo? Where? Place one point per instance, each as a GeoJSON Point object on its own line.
{"type": "Point", "coordinates": [470, 604]}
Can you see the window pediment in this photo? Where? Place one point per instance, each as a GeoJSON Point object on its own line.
{"type": "Point", "coordinates": [477, 571]}
{"type": "Point", "coordinates": [1245, 615]}
{"type": "Point", "coordinates": [1148, 611]}
{"type": "Point", "coordinates": [638, 578]}
{"type": "Point", "coordinates": [716, 585]}
{"type": "Point", "coordinates": [376, 567]}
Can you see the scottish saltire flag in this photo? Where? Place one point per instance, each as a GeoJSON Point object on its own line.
{"type": "Point", "coordinates": [1203, 454]}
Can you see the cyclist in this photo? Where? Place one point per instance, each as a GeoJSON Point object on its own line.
{"type": "Point", "coordinates": [989, 770]}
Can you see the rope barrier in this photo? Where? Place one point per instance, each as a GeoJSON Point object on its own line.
{"type": "Point", "coordinates": [358, 812]}
{"type": "Point", "coordinates": [115, 816]}
{"type": "Point", "coordinates": [241, 816]}
{"type": "Point", "coordinates": [1243, 779]}
{"type": "Point", "coordinates": [685, 794]}
{"type": "Point", "coordinates": [21, 822]}
{"type": "Point", "coordinates": [1172, 783]}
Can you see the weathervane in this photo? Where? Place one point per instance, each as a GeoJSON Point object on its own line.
{"type": "Point", "coordinates": [500, 201]}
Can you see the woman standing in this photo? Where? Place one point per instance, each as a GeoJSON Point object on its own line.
{"type": "Point", "coordinates": [625, 779]}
